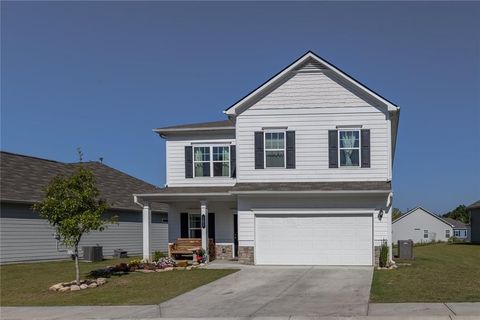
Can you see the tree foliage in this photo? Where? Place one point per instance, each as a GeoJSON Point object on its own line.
{"type": "Point", "coordinates": [396, 213]}
{"type": "Point", "coordinates": [460, 213]}
{"type": "Point", "coordinates": [73, 207]}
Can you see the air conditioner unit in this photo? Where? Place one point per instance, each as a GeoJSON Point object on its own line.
{"type": "Point", "coordinates": [93, 253]}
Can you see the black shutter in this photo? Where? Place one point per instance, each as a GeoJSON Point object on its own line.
{"type": "Point", "coordinates": [290, 149]}
{"type": "Point", "coordinates": [233, 162]}
{"type": "Point", "coordinates": [365, 148]}
{"type": "Point", "coordinates": [333, 148]}
{"type": "Point", "coordinates": [184, 225]}
{"type": "Point", "coordinates": [188, 162]}
{"type": "Point", "coordinates": [259, 150]}
{"type": "Point", "coordinates": [211, 226]}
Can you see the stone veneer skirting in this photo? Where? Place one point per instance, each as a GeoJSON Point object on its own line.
{"type": "Point", "coordinates": [224, 251]}
{"type": "Point", "coordinates": [377, 256]}
{"type": "Point", "coordinates": [245, 255]}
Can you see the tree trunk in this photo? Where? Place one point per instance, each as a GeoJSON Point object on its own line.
{"type": "Point", "coordinates": [77, 267]}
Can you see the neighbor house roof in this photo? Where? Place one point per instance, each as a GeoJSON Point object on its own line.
{"type": "Point", "coordinates": [455, 223]}
{"type": "Point", "coordinates": [202, 126]}
{"type": "Point", "coordinates": [425, 210]}
{"type": "Point", "coordinates": [24, 177]}
{"type": "Point", "coordinates": [474, 205]}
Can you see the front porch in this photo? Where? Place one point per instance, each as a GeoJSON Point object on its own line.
{"type": "Point", "coordinates": [209, 218]}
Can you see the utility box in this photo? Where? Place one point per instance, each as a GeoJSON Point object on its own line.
{"type": "Point", "coordinates": [405, 249]}
{"type": "Point", "coordinates": [120, 253]}
{"type": "Point", "coordinates": [93, 253]}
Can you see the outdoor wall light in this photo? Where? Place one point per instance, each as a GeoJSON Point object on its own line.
{"type": "Point", "coordinates": [203, 221]}
{"type": "Point", "coordinates": [380, 214]}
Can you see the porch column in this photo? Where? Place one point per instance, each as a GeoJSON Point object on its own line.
{"type": "Point", "coordinates": [204, 223]}
{"type": "Point", "coordinates": [147, 234]}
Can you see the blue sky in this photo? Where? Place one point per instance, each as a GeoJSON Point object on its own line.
{"type": "Point", "coordinates": [101, 75]}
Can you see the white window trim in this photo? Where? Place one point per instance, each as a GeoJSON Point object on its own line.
{"type": "Point", "coordinates": [211, 160]}
{"type": "Point", "coordinates": [265, 149]}
{"type": "Point", "coordinates": [447, 234]}
{"type": "Point", "coordinates": [190, 228]}
{"type": "Point", "coordinates": [425, 233]}
{"type": "Point", "coordinates": [455, 232]}
{"type": "Point", "coordinates": [359, 148]}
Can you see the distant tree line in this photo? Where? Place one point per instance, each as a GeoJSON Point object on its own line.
{"type": "Point", "coordinates": [460, 213]}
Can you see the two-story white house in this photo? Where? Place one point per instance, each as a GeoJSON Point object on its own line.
{"type": "Point", "coordinates": [299, 174]}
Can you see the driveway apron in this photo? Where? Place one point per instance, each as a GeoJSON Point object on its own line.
{"type": "Point", "coordinates": [278, 291]}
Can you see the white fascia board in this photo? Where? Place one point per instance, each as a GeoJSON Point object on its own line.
{"type": "Point", "coordinates": [199, 194]}
{"type": "Point", "coordinates": [260, 192]}
{"type": "Point", "coordinates": [366, 211]}
{"type": "Point", "coordinates": [232, 110]}
{"type": "Point", "coordinates": [310, 55]}
{"type": "Point", "coordinates": [161, 131]}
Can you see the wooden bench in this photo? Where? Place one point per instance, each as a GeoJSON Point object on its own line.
{"type": "Point", "coordinates": [187, 246]}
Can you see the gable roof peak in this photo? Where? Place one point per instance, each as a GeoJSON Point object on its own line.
{"type": "Point", "coordinates": [236, 107]}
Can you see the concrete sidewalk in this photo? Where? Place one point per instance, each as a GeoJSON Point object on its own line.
{"type": "Point", "coordinates": [377, 311]}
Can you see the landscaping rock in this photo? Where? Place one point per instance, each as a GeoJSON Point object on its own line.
{"type": "Point", "coordinates": [101, 281]}
{"type": "Point", "coordinates": [56, 287]}
{"type": "Point", "coordinates": [63, 289]}
{"type": "Point", "coordinates": [74, 287]}
{"type": "Point", "coordinates": [83, 286]}
{"type": "Point", "coordinates": [168, 269]}
{"type": "Point", "coordinates": [188, 268]}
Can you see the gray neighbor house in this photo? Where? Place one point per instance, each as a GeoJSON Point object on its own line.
{"type": "Point", "coordinates": [474, 210]}
{"type": "Point", "coordinates": [24, 236]}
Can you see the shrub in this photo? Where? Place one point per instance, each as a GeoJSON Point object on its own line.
{"type": "Point", "coordinates": [383, 261]}
{"type": "Point", "coordinates": [157, 255]}
{"type": "Point", "coordinates": [135, 263]}
{"type": "Point", "coordinates": [100, 273]}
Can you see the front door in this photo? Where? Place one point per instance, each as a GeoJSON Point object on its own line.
{"type": "Point", "coordinates": [235, 234]}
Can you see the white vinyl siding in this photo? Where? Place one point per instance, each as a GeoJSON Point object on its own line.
{"type": "Point", "coordinates": [311, 104]}
{"type": "Point", "coordinates": [246, 216]}
{"type": "Point", "coordinates": [175, 152]}
{"type": "Point", "coordinates": [223, 219]}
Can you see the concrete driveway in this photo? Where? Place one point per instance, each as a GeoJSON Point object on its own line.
{"type": "Point", "coordinates": [278, 291]}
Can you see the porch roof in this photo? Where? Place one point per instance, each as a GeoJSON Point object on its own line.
{"type": "Point", "coordinates": [229, 192]}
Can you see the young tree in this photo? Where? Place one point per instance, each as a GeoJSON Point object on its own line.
{"type": "Point", "coordinates": [72, 206]}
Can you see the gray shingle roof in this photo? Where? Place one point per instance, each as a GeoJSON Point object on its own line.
{"type": "Point", "coordinates": [24, 177]}
{"type": "Point", "coordinates": [282, 187]}
{"type": "Point", "coordinates": [455, 223]}
{"type": "Point", "coordinates": [212, 125]}
{"type": "Point", "coordinates": [474, 205]}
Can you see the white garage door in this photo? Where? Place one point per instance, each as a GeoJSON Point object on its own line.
{"type": "Point", "coordinates": [313, 239]}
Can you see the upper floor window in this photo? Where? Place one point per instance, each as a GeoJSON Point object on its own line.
{"type": "Point", "coordinates": [211, 161]}
{"type": "Point", "coordinates": [349, 148]}
{"type": "Point", "coordinates": [275, 149]}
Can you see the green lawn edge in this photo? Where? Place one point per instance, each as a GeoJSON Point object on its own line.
{"type": "Point", "coordinates": [27, 284]}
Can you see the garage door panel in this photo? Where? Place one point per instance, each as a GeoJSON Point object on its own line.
{"type": "Point", "coordinates": [297, 239]}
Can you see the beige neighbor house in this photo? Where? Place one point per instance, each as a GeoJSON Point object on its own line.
{"type": "Point", "coordinates": [299, 174]}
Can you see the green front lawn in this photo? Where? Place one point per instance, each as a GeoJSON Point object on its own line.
{"type": "Point", "coordinates": [27, 284]}
{"type": "Point", "coordinates": [439, 273]}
